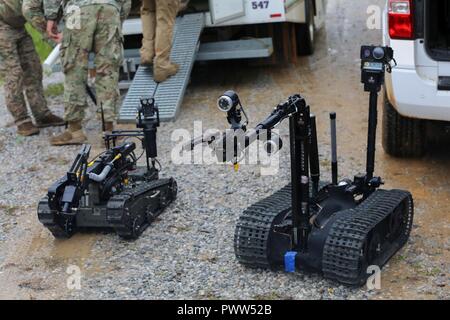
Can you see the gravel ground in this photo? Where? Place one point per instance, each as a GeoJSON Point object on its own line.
{"type": "Point", "coordinates": [188, 252]}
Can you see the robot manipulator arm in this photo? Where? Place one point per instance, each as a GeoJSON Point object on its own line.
{"type": "Point", "coordinates": [230, 145]}
{"type": "Point", "coordinates": [118, 153]}
{"type": "Point", "coordinates": [66, 193]}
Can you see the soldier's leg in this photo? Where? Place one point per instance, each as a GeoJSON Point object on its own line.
{"type": "Point", "coordinates": [78, 39]}
{"type": "Point", "coordinates": [166, 12]}
{"type": "Point", "coordinates": [32, 81]}
{"type": "Point", "coordinates": [148, 18]}
{"type": "Point", "coordinates": [11, 71]}
{"type": "Point", "coordinates": [108, 59]}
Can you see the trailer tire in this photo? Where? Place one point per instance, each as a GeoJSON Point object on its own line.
{"type": "Point", "coordinates": [402, 137]}
{"type": "Point", "coordinates": [306, 31]}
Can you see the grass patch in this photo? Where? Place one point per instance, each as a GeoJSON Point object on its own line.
{"type": "Point", "coordinates": [43, 47]}
{"type": "Point", "coordinates": [434, 272]}
{"type": "Point", "coordinates": [54, 90]}
{"type": "Point", "coordinates": [20, 139]}
{"type": "Point", "coordinates": [400, 257]}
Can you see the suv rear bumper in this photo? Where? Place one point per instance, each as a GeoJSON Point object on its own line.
{"type": "Point", "coordinates": [415, 97]}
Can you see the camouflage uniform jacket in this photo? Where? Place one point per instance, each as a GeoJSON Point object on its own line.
{"type": "Point", "coordinates": [17, 12]}
{"type": "Point", "coordinates": [52, 7]}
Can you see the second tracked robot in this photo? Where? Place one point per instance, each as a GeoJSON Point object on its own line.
{"type": "Point", "coordinates": [338, 229]}
{"type": "Point", "coordinates": [111, 191]}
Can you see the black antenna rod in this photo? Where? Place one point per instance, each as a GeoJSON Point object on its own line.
{"type": "Point", "coordinates": [372, 135]}
{"type": "Point", "coordinates": [91, 95]}
{"type": "Point", "coordinates": [103, 117]}
{"type": "Point", "coordinates": [334, 160]}
{"type": "Point", "coordinates": [314, 157]}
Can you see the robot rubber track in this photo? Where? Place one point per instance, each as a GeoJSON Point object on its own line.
{"type": "Point", "coordinates": [131, 212]}
{"type": "Point", "coordinates": [128, 213]}
{"type": "Point", "coordinates": [367, 235]}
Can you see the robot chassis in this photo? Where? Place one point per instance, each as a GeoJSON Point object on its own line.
{"type": "Point", "coordinates": [111, 191]}
{"type": "Point", "coordinates": [337, 229]}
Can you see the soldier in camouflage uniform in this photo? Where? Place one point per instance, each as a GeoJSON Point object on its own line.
{"type": "Point", "coordinates": [20, 65]}
{"type": "Point", "coordinates": [89, 26]}
{"type": "Point", "coordinates": [158, 19]}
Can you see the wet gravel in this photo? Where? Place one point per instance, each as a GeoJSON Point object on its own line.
{"type": "Point", "coordinates": [188, 252]}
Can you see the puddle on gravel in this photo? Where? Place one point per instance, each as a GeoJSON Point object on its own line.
{"type": "Point", "coordinates": [77, 248]}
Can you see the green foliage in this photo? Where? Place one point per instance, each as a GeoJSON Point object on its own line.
{"type": "Point", "coordinates": [54, 90]}
{"type": "Point", "coordinates": [43, 48]}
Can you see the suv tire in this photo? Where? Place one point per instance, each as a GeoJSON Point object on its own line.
{"type": "Point", "coordinates": [306, 32]}
{"type": "Point", "coordinates": [402, 137]}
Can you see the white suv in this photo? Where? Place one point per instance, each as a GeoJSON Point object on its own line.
{"type": "Point", "coordinates": [419, 87]}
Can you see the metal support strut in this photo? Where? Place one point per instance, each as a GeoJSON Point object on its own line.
{"type": "Point", "coordinates": [334, 161]}
{"type": "Point", "coordinates": [372, 134]}
{"type": "Point", "coordinates": [314, 157]}
{"type": "Point", "coordinates": [300, 130]}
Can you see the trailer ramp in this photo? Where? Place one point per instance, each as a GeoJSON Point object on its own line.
{"type": "Point", "coordinates": [169, 94]}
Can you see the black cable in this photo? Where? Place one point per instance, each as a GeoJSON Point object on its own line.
{"type": "Point", "coordinates": [159, 164]}
{"type": "Point", "coordinates": [97, 156]}
{"type": "Point", "coordinates": [140, 156]}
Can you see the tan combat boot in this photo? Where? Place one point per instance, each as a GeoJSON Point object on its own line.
{"type": "Point", "coordinates": [27, 129]}
{"type": "Point", "coordinates": [148, 20]}
{"type": "Point", "coordinates": [50, 120]}
{"type": "Point", "coordinates": [163, 68]}
{"type": "Point", "coordinates": [146, 57]}
{"type": "Point", "coordinates": [72, 136]}
{"type": "Point", "coordinates": [161, 74]}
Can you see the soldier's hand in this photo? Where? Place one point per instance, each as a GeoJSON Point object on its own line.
{"type": "Point", "coordinates": [58, 38]}
{"type": "Point", "coordinates": [52, 31]}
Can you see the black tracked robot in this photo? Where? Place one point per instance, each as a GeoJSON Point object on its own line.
{"type": "Point", "coordinates": [111, 191]}
{"type": "Point", "coordinates": [338, 229]}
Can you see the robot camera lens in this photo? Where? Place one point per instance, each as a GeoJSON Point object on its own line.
{"type": "Point", "coordinates": [225, 103]}
{"type": "Point", "coordinates": [378, 53]}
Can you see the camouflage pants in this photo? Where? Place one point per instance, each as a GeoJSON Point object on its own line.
{"type": "Point", "coordinates": [158, 19]}
{"type": "Point", "coordinates": [22, 71]}
{"type": "Point", "coordinates": [98, 30]}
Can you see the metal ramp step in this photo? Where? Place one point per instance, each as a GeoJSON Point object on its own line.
{"type": "Point", "coordinates": [169, 94]}
{"type": "Point", "coordinates": [222, 50]}
{"type": "Point", "coordinates": [237, 49]}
